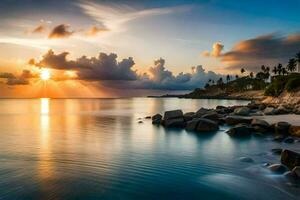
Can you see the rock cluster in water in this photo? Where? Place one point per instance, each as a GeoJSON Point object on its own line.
{"type": "Point", "coordinates": [243, 123]}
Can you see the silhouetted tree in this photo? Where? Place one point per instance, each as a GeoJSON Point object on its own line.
{"type": "Point", "coordinates": [279, 68]}
{"type": "Point", "coordinates": [284, 71]}
{"type": "Point", "coordinates": [220, 81]}
{"type": "Point", "coordinates": [297, 57]}
{"type": "Point", "coordinates": [242, 70]}
{"type": "Point", "coordinates": [206, 85]}
{"type": "Point", "coordinates": [275, 70]}
{"type": "Point", "coordinates": [228, 78]}
{"type": "Point", "coordinates": [236, 76]}
{"type": "Point", "coordinates": [251, 75]}
{"type": "Point", "coordinates": [291, 66]}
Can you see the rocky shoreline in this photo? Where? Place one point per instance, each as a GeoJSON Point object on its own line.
{"type": "Point", "coordinates": [244, 122]}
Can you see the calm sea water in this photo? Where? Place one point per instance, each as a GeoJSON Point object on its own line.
{"type": "Point", "coordinates": [96, 149]}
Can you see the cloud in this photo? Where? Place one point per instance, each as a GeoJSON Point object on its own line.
{"type": "Point", "coordinates": [39, 29]}
{"type": "Point", "coordinates": [22, 79]}
{"type": "Point", "coordinates": [263, 50]}
{"type": "Point", "coordinates": [110, 72]}
{"type": "Point", "coordinates": [94, 30]}
{"type": "Point", "coordinates": [60, 31]}
{"type": "Point", "coordinates": [103, 67]}
{"type": "Point", "coordinates": [216, 50]}
{"type": "Point", "coordinates": [114, 16]}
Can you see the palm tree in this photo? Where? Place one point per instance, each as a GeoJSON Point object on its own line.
{"type": "Point", "coordinates": [275, 70]}
{"type": "Point", "coordinates": [297, 57]}
{"type": "Point", "coordinates": [263, 68]}
{"type": "Point", "coordinates": [251, 75]}
{"type": "Point", "coordinates": [291, 66]}
{"type": "Point", "coordinates": [284, 71]}
{"type": "Point", "coordinates": [243, 70]}
{"type": "Point", "coordinates": [228, 78]}
{"type": "Point", "coordinates": [279, 68]}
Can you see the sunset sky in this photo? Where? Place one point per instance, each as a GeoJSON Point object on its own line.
{"type": "Point", "coordinates": [138, 47]}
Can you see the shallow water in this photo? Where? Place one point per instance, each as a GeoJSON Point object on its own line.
{"type": "Point", "coordinates": [96, 149]}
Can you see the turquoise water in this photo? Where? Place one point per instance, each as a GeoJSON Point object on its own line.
{"type": "Point", "coordinates": [96, 149]}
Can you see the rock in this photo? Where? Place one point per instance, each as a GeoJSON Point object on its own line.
{"type": "Point", "coordinates": [278, 168]}
{"type": "Point", "coordinates": [246, 159]}
{"type": "Point", "coordinates": [239, 130]}
{"type": "Point", "coordinates": [206, 125]}
{"type": "Point", "coordinates": [296, 171]}
{"type": "Point", "coordinates": [278, 138]}
{"type": "Point", "coordinates": [290, 175]}
{"type": "Point", "coordinates": [233, 120]}
{"type": "Point", "coordinates": [220, 107]}
{"type": "Point", "coordinates": [259, 122]}
{"type": "Point", "coordinates": [289, 140]}
{"type": "Point", "coordinates": [257, 113]}
{"type": "Point", "coordinates": [148, 117]}
{"type": "Point", "coordinates": [282, 128]}
{"type": "Point", "coordinates": [243, 111]}
{"type": "Point", "coordinates": [174, 123]}
{"type": "Point", "coordinates": [290, 158]}
{"type": "Point", "coordinates": [282, 110]}
{"type": "Point", "coordinates": [192, 124]}
{"type": "Point", "coordinates": [173, 114]}
{"type": "Point", "coordinates": [212, 116]}
{"type": "Point", "coordinates": [174, 118]}
{"type": "Point", "coordinates": [188, 116]}
{"type": "Point", "coordinates": [156, 119]}
{"type": "Point", "coordinates": [269, 111]}
{"type": "Point", "coordinates": [201, 112]}
{"type": "Point", "coordinates": [262, 107]}
{"type": "Point", "coordinates": [294, 131]}
{"type": "Point", "coordinates": [276, 151]}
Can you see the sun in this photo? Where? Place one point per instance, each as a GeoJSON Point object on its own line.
{"type": "Point", "coordinates": [45, 74]}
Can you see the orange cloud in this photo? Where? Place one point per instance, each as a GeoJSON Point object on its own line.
{"type": "Point", "coordinates": [60, 31]}
{"type": "Point", "coordinates": [39, 29]}
{"type": "Point", "coordinates": [216, 50]}
{"type": "Point", "coordinates": [94, 30]}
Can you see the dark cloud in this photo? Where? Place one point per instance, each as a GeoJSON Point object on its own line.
{"type": "Point", "coordinates": [21, 79]}
{"type": "Point", "coordinates": [110, 73]}
{"type": "Point", "coordinates": [60, 31]}
{"type": "Point", "coordinates": [268, 50]}
{"type": "Point", "coordinates": [103, 67]}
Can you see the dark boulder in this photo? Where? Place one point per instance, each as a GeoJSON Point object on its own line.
{"type": "Point", "coordinates": [240, 130]}
{"type": "Point", "coordinates": [212, 116]}
{"type": "Point", "coordinates": [278, 168]}
{"type": "Point", "coordinates": [242, 111]}
{"type": "Point", "coordinates": [188, 116]}
{"type": "Point", "coordinates": [173, 114]}
{"type": "Point", "coordinates": [174, 123]}
{"type": "Point", "coordinates": [206, 125]}
{"type": "Point", "coordinates": [278, 138]}
{"type": "Point", "coordinates": [233, 120]}
{"type": "Point", "coordinates": [156, 119]}
{"type": "Point", "coordinates": [290, 158]}
{"type": "Point", "coordinates": [260, 126]}
{"type": "Point", "coordinates": [296, 171]}
{"type": "Point", "coordinates": [282, 128]}
{"type": "Point", "coordinates": [192, 124]}
{"type": "Point", "coordinates": [201, 112]}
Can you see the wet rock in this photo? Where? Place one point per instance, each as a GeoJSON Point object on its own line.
{"type": "Point", "coordinates": [175, 123]}
{"type": "Point", "coordinates": [201, 112]}
{"type": "Point", "coordinates": [220, 107]}
{"type": "Point", "coordinates": [290, 158]}
{"type": "Point", "coordinates": [233, 120]}
{"type": "Point", "coordinates": [266, 164]}
{"type": "Point", "coordinates": [239, 130]}
{"type": "Point", "coordinates": [156, 119]}
{"type": "Point", "coordinates": [278, 168]}
{"type": "Point", "coordinates": [173, 114]}
{"type": "Point", "coordinates": [282, 128]}
{"type": "Point", "coordinates": [174, 118]}
{"type": "Point", "coordinates": [246, 159]}
{"type": "Point", "coordinates": [269, 111]}
{"type": "Point", "coordinates": [192, 124]}
{"type": "Point", "coordinates": [290, 175]}
{"type": "Point", "coordinates": [242, 111]}
{"type": "Point", "coordinates": [206, 125]}
{"type": "Point", "coordinates": [289, 140]}
{"type": "Point", "coordinates": [296, 171]}
{"type": "Point", "coordinates": [212, 116]}
{"type": "Point", "coordinates": [259, 122]}
{"type": "Point", "coordinates": [276, 151]}
{"type": "Point", "coordinates": [188, 116]}
{"type": "Point", "coordinates": [262, 107]}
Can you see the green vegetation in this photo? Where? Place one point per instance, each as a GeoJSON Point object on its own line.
{"type": "Point", "coordinates": [273, 82]}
